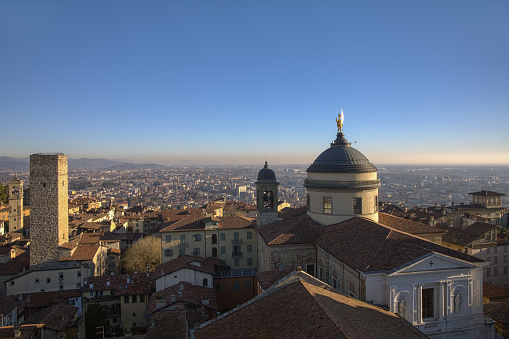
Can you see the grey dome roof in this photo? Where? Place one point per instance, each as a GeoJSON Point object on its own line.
{"type": "Point", "coordinates": [341, 157]}
{"type": "Point", "coordinates": [266, 174]}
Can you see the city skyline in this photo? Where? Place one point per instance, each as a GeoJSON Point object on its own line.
{"type": "Point", "coordinates": [228, 83]}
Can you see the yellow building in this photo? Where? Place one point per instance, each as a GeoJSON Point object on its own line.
{"type": "Point", "coordinates": [231, 239]}
{"type": "Point", "coordinates": [123, 297]}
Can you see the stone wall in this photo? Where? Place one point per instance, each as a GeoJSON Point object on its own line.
{"type": "Point", "coordinates": [49, 206]}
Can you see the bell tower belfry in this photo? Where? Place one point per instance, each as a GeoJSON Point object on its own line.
{"type": "Point", "coordinates": [15, 204]}
{"type": "Point", "coordinates": [266, 196]}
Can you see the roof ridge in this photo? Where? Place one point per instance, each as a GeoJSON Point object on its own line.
{"type": "Point", "coordinates": [380, 248]}
{"type": "Point", "coordinates": [326, 311]}
{"type": "Point", "coordinates": [271, 290]}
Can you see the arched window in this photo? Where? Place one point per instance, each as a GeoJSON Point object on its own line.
{"type": "Point", "coordinates": [214, 252]}
{"type": "Point", "coordinates": [214, 238]}
{"type": "Point", "coordinates": [205, 282]}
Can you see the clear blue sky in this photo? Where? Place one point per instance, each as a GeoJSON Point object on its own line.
{"type": "Point", "coordinates": [223, 82]}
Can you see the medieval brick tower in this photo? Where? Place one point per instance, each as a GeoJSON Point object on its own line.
{"type": "Point", "coordinates": [49, 206]}
{"type": "Point", "coordinates": [15, 204]}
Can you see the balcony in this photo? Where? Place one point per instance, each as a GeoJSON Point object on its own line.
{"type": "Point", "coordinates": [237, 242]}
{"type": "Point", "coordinates": [237, 255]}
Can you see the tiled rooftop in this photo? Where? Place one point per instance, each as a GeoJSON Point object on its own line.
{"type": "Point", "coordinates": [302, 310]}
{"type": "Point", "coordinates": [182, 292]}
{"type": "Point", "coordinates": [197, 263]}
{"type": "Point", "coordinates": [56, 317]}
{"type": "Point", "coordinates": [369, 246]}
{"type": "Point", "coordinates": [198, 223]}
{"type": "Point", "coordinates": [407, 226]}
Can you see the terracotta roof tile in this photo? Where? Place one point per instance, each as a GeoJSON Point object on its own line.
{"type": "Point", "coordinates": [83, 253]}
{"type": "Point", "coordinates": [123, 284]}
{"type": "Point", "coordinates": [190, 294]}
{"type": "Point", "coordinates": [198, 223]}
{"type": "Point", "coordinates": [197, 263]}
{"type": "Point", "coordinates": [269, 278]}
{"type": "Point", "coordinates": [289, 212]}
{"type": "Point", "coordinates": [8, 303]}
{"type": "Point", "coordinates": [56, 317]}
{"type": "Point", "coordinates": [498, 310]}
{"type": "Point", "coordinates": [302, 310]}
{"type": "Point", "coordinates": [407, 226]}
{"type": "Point", "coordinates": [368, 246]}
{"type": "Point", "coordinates": [464, 237]}
{"type": "Point", "coordinates": [291, 231]}
{"type": "Point", "coordinates": [17, 265]}
{"type": "Point", "coordinates": [492, 292]}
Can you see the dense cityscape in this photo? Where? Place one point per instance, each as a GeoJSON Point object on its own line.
{"type": "Point", "coordinates": [113, 211]}
{"type": "Point", "coordinates": [192, 187]}
{"type": "Point", "coordinates": [186, 170]}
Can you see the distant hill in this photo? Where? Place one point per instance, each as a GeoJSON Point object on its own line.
{"type": "Point", "coordinates": [86, 163]}
{"type": "Point", "coordinates": [130, 166]}
{"type": "Point", "coordinates": [14, 164]}
{"type": "Point", "coordinates": [23, 164]}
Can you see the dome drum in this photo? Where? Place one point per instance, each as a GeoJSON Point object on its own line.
{"type": "Point", "coordinates": [357, 185]}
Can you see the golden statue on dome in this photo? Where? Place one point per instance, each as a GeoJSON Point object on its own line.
{"type": "Point", "coordinates": [339, 121]}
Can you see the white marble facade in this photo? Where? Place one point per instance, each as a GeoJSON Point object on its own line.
{"type": "Point", "coordinates": [440, 295]}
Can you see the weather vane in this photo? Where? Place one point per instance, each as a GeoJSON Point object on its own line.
{"type": "Point", "coordinates": [339, 121]}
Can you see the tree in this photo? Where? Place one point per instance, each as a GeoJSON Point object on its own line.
{"type": "Point", "coordinates": [144, 253]}
{"type": "Point", "coordinates": [94, 317]}
{"type": "Point", "coordinates": [4, 194]}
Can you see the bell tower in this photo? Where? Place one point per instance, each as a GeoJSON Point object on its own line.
{"type": "Point", "coordinates": [15, 204]}
{"type": "Point", "coordinates": [266, 196]}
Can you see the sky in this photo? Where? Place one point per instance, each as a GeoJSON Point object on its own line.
{"type": "Point", "coordinates": [230, 82]}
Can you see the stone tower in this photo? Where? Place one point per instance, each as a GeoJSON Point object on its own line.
{"type": "Point", "coordinates": [49, 206]}
{"type": "Point", "coordinates": [15, 204]}
{"type": "Point", "coordinates": [341, 183]}
{"type": "Point", "coordinates": [266, 196]}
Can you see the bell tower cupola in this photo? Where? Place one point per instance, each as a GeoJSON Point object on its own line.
{"type": "Point", "coordinates": [266, 196]}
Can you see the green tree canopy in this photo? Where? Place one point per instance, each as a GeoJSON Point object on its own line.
{"type": "Point", "coordinates": [144, 253]}
{"type": "Point", "coordinates": [4, 194]}
{"type": "Point", "coordinates": [94, 317]}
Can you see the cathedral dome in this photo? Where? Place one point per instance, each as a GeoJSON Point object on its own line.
{"type": "Point", "coordinates": [266, 174]}
{"type": "Point", "coordinates": [341, 157]}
